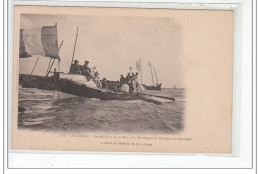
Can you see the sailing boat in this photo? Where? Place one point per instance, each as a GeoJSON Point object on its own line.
{"type": "Point", "coordinates": [158, 85]}
{"type": "Point", "coordinates": [42, 42]}
{"type": "Point", "coordinates": [46, 45]}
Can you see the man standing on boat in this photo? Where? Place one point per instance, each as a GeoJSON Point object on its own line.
{"type": "Point", "coordinates": [131, 84]}
{"type": "Point", "coordinates": [75, 68]}
{"type": "Point", "coordinates": [97, 80]}
{"type": "Point", "coordinates": [134, 82]}
{"type": "Point", "coordinates": [122, 80]}
{"type": "Point", "coordinates": [128, 77]}
{"type": "Point", "coordinates": [138, 86]}
{"type": "Point", "coordinates": [86, 70]}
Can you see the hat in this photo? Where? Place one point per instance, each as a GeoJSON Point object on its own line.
{"type": "Point", "coordinates": [76, 61]}
{"type": "Point", "coordinates": [121, 75]}
{"type": "Point", "coordinates": [86, 61]}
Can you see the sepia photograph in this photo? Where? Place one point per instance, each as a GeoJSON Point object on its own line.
{"type": "Point", "coordinates": [122, 79]}
{"type": "Point", "coordinates": [91, 73]}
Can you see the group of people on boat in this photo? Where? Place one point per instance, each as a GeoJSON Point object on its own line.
{"type": "Point", "coordinates": [90, 73]}
{"type": "Point", "coordinates": [130, 83]}
{"type": "Point", "coordinates": [110, 85]}
{"type": "Point", "coordinates": [127, 84]}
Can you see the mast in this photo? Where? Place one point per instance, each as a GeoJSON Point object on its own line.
{"type": "Point", "coordinates": [151, 71]}
{"type": "Point", "coordinates": [156, 75]}
{"type": "Point", "coordinates": [48, 67]}
{"type": "Point", "coordinates": [59, 58]}
{"type": "Point", "coordinates": [59, 65]}
{"type": "Point", "coordinates": [35, 65]}
{"type": "Point", "coordinates": [74, 46]}
{"type": "Point", "coordinates": [54, 60]}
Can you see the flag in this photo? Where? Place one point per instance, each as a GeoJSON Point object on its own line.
{"type": "Point", "coordinates": [138, 65]}
{"type": "Point", "coordinates": [39, 41]}
{"type": "Point", "coordinates": [149, 63]}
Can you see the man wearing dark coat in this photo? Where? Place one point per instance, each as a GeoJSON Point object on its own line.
{"type": "Point", "coordinates": [86, 70]}
{"type": "Point", "coordinates": [128, 77]}
{"type": "Point", "coordinates": [122, 80]}
{"type": "Point", "coordinates": [75, 68]}
{"type": "Point", "coordinates": [85, 67]}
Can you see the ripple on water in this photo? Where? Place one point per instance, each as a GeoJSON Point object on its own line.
{"type": "Point", "coordinates": [44, 111]}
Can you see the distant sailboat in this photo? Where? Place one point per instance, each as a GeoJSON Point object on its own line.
{"type": "Point", "coordinates": [174, 87]}
{"type": "Point", "coordinates": [154, 87]}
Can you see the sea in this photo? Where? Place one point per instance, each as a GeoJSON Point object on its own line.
{"type": "Point", "coordinates": [44, 110]}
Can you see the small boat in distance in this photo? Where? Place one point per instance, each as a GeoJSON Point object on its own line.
{"type": "Point", "coordinates": [158, 85]}
{"type": "Point", "coordinates": [174, 87]}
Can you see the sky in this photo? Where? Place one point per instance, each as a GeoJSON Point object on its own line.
{"type": "Point", "coordinates": [113, 44]}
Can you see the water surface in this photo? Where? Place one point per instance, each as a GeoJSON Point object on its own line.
{"type": "Point", "coordinates": [55, 111]}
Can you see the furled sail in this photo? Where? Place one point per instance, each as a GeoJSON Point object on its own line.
{"type": "Point", "coordinates": [39, 41]}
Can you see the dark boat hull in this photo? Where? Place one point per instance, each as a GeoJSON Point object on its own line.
{"type": "Point", "coordinates": [157, 87]}
{"type": "Point", "coordinates": [78, 89]}
{"type": "Point", "coordinates": [34, 81]}
{"type": "Point", "coordinates": [71, 87]}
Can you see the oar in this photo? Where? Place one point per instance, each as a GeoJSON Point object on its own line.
{"type": "Point", "coordinates": [148, 100]}
{"type": "Point", "coordinates": [140, 97]}
{"type": "Point", "coordinates": [168, 98]}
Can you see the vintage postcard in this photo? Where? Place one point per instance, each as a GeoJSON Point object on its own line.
{"type": "Point", "coordinates": [122, 79]}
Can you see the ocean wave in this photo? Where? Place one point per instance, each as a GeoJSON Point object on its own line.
{"type": "Point", "coordinates": [71, 113]}
{"type": "Point", "coordinates": [133, 101]}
